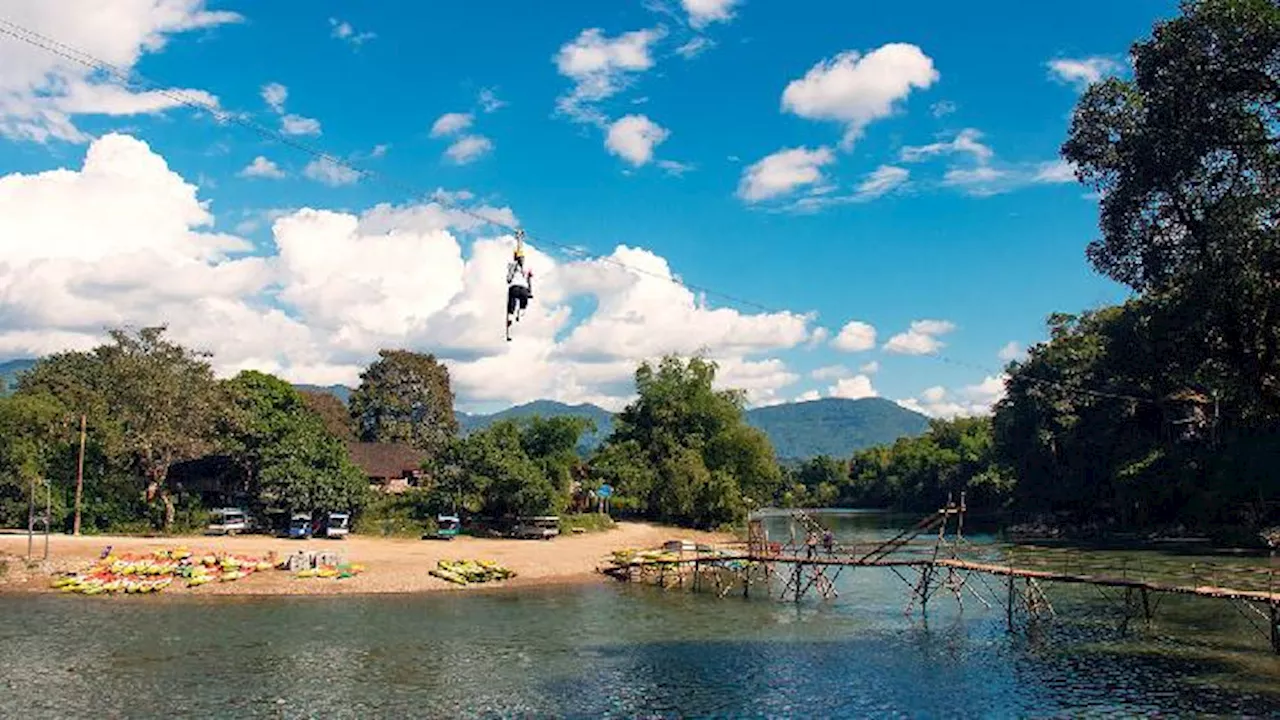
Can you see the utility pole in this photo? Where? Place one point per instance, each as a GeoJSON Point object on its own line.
{"type": "Point", "coordinates": [75, 530]}
{"type": "Point", "coordinates": [48, 513]}
{"type": "Point", "coordinates": [31, 516]}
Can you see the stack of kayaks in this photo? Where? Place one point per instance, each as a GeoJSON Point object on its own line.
{"type": "Point", "coordinates": [336, 572]}
{"type": "Point", "coordinates": [117, 573]}
{"type": "Point", "coordinates": [464, 572]}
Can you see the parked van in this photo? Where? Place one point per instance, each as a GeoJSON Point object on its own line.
{"type": "Point", "coordinates": [338, 525]}
{"type": "Point", "coordinates": [300, 526]}
{"type": "Point", "coordinates": [538, 528]}
{"type": "Point", "coordinates": [228, 521]}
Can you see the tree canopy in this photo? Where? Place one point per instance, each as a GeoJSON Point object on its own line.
{"type": "Point", "coordinates": [405, 397]}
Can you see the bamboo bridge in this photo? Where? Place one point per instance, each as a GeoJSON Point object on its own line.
{"type": "Point", "coordinates": [944, 562]}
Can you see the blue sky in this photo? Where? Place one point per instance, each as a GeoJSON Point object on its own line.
{"type": "Point", "coordinates": [993, 252]}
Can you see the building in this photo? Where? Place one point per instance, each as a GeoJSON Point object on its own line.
{"type": "Point", "coordinates": [390, 467]}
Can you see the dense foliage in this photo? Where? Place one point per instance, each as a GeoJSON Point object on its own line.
{"type": "Point", "coordinates": [405, 397]}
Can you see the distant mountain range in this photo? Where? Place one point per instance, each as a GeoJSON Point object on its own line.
{"type": "Point", "coordinates": [9, 371]}
{"type": "Point", "coordinates": [831, 426]}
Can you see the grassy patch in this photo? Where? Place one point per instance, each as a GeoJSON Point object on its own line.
{"type": "Point", "coordinates": [588, 522]}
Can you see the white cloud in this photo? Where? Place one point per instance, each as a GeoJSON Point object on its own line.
{"type": "Point", "coordinates": [298, 125]}
{"type": "Point", "coordinates": [853, 388]}
{"type": "Point", "coordinates": [855, 336]}
{"type": "Point", "coordinates": [920, 339]}
{"type": "Point", "coordinates": [870, 368]}
{"type": "Point", "coordinates": [489, 101]}
{"type": "Point", "coordinates": [808, 396]}
{"type": "Point", "coordinates": [468, 148]}
{"type": "Point", "coordinates": [884, 180]}
{"type": "Point", "coordinates": [344, 31]}
{"type": "Point", "coordinates": [324, 170]}
{"type": "Point", "coordinates": [1081, 72]}
{"type": "Point", "coordinates": [41, 92]}
{"type": "Point", "coordinates": [783, 172]}
{"type": "Point", "coordinates": [601, 67]}
{"type": "Point", "coordinates": [634, 137]}
{"type": "Point", "coordinates": [1055, 171]}
{"type": "Point", "coordinates": [942, 108]}
{"type": "Point", "coordinates": [275, 95]}
{"type": "Point", "coordinates": [857, 90]}
{"type": "Point", "coordinates": [1011, 351]}
{"type": "Point", "coordinates": [968, 401]}
{"type": "Point", "coordinates": [704, 12]}
{"type": "Point", "coordinates": [831, 372]}
{"type": "Point", "coordinates": [262, 168]}
{"type": "Point", "coordinates": [966, 141]}
{"type": "Point", "coordinates": [695, 47]}
{"type": "Point", "coordinates": [318, 302]}
{"type": "Point", "coordinates": [673, 167]}
{"type": "Point", "coordinates": [450, 123]}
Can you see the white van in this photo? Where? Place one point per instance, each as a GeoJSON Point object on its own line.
{"type": "Point", "coordinates": [228, 521]}
{"type": "Point", "coordinates": [338, 526]}
{"type": "Point", "coordinates": [538, 528]}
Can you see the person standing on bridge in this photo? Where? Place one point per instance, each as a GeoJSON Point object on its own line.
{"type": "Point", "coordinates": [828, 541]}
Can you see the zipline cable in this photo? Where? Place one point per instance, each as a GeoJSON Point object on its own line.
{"type": "Point", "coordinates": [135, 81]}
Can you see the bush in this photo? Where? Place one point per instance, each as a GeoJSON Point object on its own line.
{"type": "Point", "coordinates": [589, 522]}
{"type": "Point", "coordinates": [404, 515]}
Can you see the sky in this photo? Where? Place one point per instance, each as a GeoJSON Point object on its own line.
{"type": "Point", "coordinates": [830, 199]}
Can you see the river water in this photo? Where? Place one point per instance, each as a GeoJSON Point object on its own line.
{"type": "Point", "coordinates": [615, 650]}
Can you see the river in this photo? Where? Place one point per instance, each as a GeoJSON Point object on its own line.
{"type": "Point", "coordinates": [615, 650]}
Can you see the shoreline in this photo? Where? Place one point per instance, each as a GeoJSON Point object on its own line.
{"type": "Point", "coordinates": [392, 566]}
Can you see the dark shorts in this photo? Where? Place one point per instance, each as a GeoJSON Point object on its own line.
{"type": "Point", "coordinates": [517, 294]}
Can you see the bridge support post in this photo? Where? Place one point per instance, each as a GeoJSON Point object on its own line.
{"type": "Point", "coordinates": [1009, 605]}
{"type": "Point", "coordinates": [1275, 627]}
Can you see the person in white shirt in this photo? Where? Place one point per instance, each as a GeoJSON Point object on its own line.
{"type": "Point", "coordinates": [519, 289]}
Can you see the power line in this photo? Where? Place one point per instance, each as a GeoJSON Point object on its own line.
{"type": "Point", "coordinates": [134, 80]}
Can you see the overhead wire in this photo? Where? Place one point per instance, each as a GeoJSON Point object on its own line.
{"type": "Point", "coordinates": [134, 80]}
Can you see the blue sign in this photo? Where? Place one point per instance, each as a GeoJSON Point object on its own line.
{"type": "Point", "coordinates": [605, 491]}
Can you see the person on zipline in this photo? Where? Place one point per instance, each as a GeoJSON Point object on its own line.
{"type": "Point", "coordinates": [519, 288]}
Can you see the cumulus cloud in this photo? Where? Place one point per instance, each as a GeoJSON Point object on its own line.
{"type": "Point", "coordinates": [600, 67]}
{"type": "Point", "coordinates": [968, 401]}
{"type": "Point", "coordinates": [41, 92]}
{"type": "Point", "coordinates": [468, 149]}
{"type": "Point", "coordinates": [1011, 351]}
{"type": "Point", "coordinates": [634, 137]}
{"type": "Point", "coordinates": [855, 336]}
{"type": "Point", "coordinates": [920, 339]}
{"type": "Point", "coordinates": [1082, 72]}
{"type": "Point", "coordinates": [262, 168]}
{"type": "Point", "coordinates": [332, 288]}
{"type": "Point", "coordinates": [326, 171]}
{"type": "Point", "coordinates": [274, 95]}
{"type": "Point", "coordinates": [808, 396]}
{"type": "Point", "coordinates": [853, 388]}
{"type": "Point", "coordinates": [704, 12]}
{"type": "Point", "coordinates": [450, 123]}
{"type": "Point", "coordinates": [856, 90]}
{"type": "Point", "coordinates": [782, 172]}
{"type": "Point", "coordinates": [831, 372]}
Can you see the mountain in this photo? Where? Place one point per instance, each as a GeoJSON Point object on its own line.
{"type": "Point", "coordinates": [546, 408]}
{"type": "Point", "coordinates": [342, 392]}
{"type": "Point", "coordinates": [9, 371]}
{"type": "Point", "coordinates": [835, 426]}
{"type": "Point", "coordinates": [830, 426]}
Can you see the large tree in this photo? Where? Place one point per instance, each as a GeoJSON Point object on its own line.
{"type": "Point", "coordinates": [289, 458]}
{"type": "Point", "coordinates": [33, 437]}
{"type": "Point", "coordinates": [405, 397]}
{"type": "Point", "coordinates": [1186, 158]}
{"type": "Point", "coordinates": [153, 402]}
{"type": "Point", "coordinates": [332, 412]}
{"type": "Point", "coordinates": [686, 446]}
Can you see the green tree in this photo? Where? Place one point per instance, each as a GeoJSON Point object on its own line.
{"type": "Point", "coordinates": [32, 439]}
{"type": "Point", "coordinates": [1186, 157]}
{"type": "Point", "coordinates": [683, 451]}
{"type": "Point", "coordinates": [152, 403]}
{"type": "Point", "coordinates": [290, 460]}
{"type": "Point", "coordinates": [332, 412]}
{"type": "Point", "coordinates": [405, 397]}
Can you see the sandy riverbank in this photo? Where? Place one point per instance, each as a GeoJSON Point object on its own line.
{"type": "Point", "coordinates": [391, 565]}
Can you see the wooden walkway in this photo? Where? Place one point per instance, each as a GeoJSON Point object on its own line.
{"type": "Point", "coordinates": [940, 565]}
